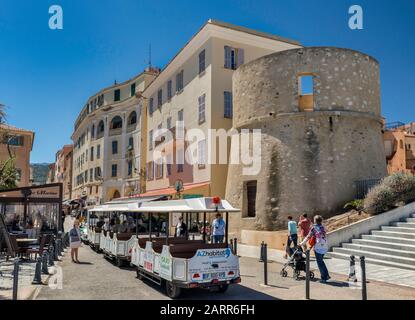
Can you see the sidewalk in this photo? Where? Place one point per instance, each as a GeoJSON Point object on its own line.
{"type": "Point", "coordinates": [336, 289]}
{"type": "Point", "coordinates": [25, 289]}
{"type": "Point", "coordinates": [394, 276]}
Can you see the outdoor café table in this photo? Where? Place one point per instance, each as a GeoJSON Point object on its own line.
{"type": "Point", "coordinates": [25, 242]}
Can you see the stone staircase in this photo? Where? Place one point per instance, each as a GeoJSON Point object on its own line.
{"type": "Point", "coordinates": [392, 246]}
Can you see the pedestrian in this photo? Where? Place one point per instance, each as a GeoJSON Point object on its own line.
{"type": "Point", "coordinates": [100, 222]}
{"type": "Point", "coordinates": [304, 226]}
{"type": "Point", "coordinates": [218, 231]}
{"type": "Point", "coordinates": [75, 241]}
{"type": "Point", "coordinates": [181, 228]}
{"type": "Point", "coordinates": [317, 238]}
{"type": "Point", "coordinates": [292, 235]}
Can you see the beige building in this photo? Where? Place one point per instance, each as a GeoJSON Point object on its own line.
{"type": "Point", "coordinates": [107, 142]}
{"type": "Point", "coordinates": [63, 170]}
{"type": "Point", "coordinates": [196, 88]}
{"type": "Point", "coordinates": [400, 149]}
{"type": "Point", "coordinates": [21, 144]}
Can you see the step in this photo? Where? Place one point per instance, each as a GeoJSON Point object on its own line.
{"type": "Point", "coordinates": [385, 244]}
{"type": "Point", "coordinates": [371, 261]}
{"type": "Point", "coordinates": [378, 249]}
{"type": "Point", "coordinates": [375, 255]}
{"type": "Point", "coordinates": [394, 234]}
{"type": "Point", "coordinates": [410, 219]}
{"type": "Point", "coordinates": [398, 229]}
{"type": "Point", "coordinates": [404, 224]}
{"type": "Point", "coordinates": [413, 215]}
{"type": "Point", "coordinates": [390, 239]}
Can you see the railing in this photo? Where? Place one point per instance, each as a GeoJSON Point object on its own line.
{"type": "Point", "coordinates": [364, 186]}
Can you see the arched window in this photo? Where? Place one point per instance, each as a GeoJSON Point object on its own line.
{"type": "Point", "coordinates": [101, 127]}
{"type": "Point", "coordinates": [116, 122]}
{"type": "Point", "coordinates": [132, 118]}
{"type": "Point", "coordinates": [93, 131]}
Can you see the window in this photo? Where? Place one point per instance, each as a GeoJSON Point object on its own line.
{"type": "Point", "coordinates": [159, 169]}
{"type": "Point", "coordinates": [86, 156]}
{"type": "Point", "coordinates": [130, 167]}
{"type": "Point", "coordinates": [202, 117]}
{"type": "Point", "coordinates": [159, 98]}
{"type": "Point", "coordinates": [168, 166]}
{"type": "Point", "coordinates": [97, 173]}
{"type": "Point", "coordinates": [132, 118]}
{"type": "Point", "coordinates": [114, 169]}
{"type": "Point", "coordinates": [202, 62]}
{"type": "Point", "coordinates": [202, 154]}
{"type": "Point", "coordinates": [180, 116]}
{"type": "Point", "coordinates": [98, 151]}
{"type": "Point", "coordinates": [251, 189]}
{"type": "Point", "coordinates": [133, 89]}
{"type": "Point", "coordinates": [115, 147]}
{"type": "Point", "coordinates": [305, 92]}
{"type": "Point", "coordinates": [117, 95]}
{"type": "Point", "coordinates": [130, 143]}
{"type": "Point", "coordinates": [168, 124]}
{"type": "Point", "coordinates": [179, 81]}
{"type": "Point", "coordinates": [93, 131]}
{"type": "Point", "coordinates": [116, 122]}
{"type": "Point", "coordinates": [101, 127]}
{"type": "Point", "coordinates": [233, 57]}
{"type": "Point", "coordinates": [228, 105]}
{"type": "Point", "coordinates": [150, 170]}
{"type": "Point", "coordinates": [92, 154]}
{"type": "Point", "coordinates": [15, 140]}
{"type": "Point", "coordinates": [91, 175]}
{"type": "Point", "coordinates": [169, 89]}
{"type": "Point", "coordinates": [150, 138]}
{"type": "Point", "coordinates": [151, 106]}
{"type": "Point", "coordinates": [86, 176]}
{"type": "Point", "coordinates": [180, 167]}
{"type": "Point", "coordinates": [19, 175]}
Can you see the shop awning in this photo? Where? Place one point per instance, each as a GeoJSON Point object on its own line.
{"type": "Point", "coordinates": [120, 205]}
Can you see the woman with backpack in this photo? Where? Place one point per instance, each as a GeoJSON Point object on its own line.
{"type": "Point", "coordinates": [317, 239]}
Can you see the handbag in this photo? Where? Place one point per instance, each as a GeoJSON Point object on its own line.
{"type": "Point", "coordinates": [312, 241]}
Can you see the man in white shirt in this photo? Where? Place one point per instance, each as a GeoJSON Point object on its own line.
{"type": "Point", "coordinates": [218, 231]}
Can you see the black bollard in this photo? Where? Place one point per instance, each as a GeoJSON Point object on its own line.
{"type": "Point", "coordinates": [51, 263]}
{"type": "Point", "coordinates": [37, 279]}
{"type": "Point", "coordinates": [307, 274]}
{"type": "Point", "coordinates": [231, 245]}
{"type": "Point", "coordinates": [55, 251]}
{"type": "Point", "coordinates": [45, 259]}
{"type": "Point", "coordinates": [265, 257]}
{"type": "Point", "coordinates": [60, 249]}
{"type": "Point", "coordinates": [15, 278]}
{"type": "Point", "coordinates": [235, 246]}
{"type": "Point", "coordinates": [363, 267]}
{"type": "Point", "coordinates": [352, 270]}
{"type": "Point", "coordinates": [261, 252]}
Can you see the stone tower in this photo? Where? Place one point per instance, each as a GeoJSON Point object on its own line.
{"type": "Point", "coordinates": [315, 146]}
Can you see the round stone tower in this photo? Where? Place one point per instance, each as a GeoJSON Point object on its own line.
{"type": "Point", "coordinates": [315, 145]}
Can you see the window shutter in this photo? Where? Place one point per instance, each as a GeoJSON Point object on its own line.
{"type": "Point", "coordinates": [241, 57]}
{"type": "Point", "coordinates": [228, 58]}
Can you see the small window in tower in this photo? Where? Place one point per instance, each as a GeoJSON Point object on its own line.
{"type": "Point", "coordinates": [306, 92]}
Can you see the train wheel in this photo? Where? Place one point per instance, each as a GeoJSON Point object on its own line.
{"type": "Point", "coordinates": [172, 290]}
{"type": "Point", "coordinates": [311, 275]}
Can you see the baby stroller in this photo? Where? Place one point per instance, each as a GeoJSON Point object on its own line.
{"type": "Point", "coordinates": [297, 262]}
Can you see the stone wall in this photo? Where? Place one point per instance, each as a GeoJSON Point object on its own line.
{"type": "Point", "coordinates": [310, 159]}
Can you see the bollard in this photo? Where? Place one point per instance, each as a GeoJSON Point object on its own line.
{"type": "Point", "coordinates": [37, 279]}
{"type": "Point", "coordinates": [15, 278]}
{"type": "Point", "coordinates": [261, 252]}
{"type": "Point", "coordinates": [352, 271]}
{"type": "Point", "coordinates": [235, 246]}
{"type": "Point", "coordinates": [363, 267]}
{"type": "Point", "coordinates": [60, 248]}
{"type": "Point", "coordinates": [265, 257]}
{"type": "Point", "coordinates": [231, 245]}
{"type": "Point", "coordinates": [307, 274]}
{"type": "Point", "coordinates": [51, 263]}
{"type": "Point", "coordinates": [45, 259]}
{"type": "Point", "coordinates": [55, 251]}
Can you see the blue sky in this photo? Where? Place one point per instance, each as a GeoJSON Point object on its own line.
{"type": "Point", "coordinates": [46, 76]}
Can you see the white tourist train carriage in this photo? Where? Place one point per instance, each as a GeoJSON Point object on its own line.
{"type": "Point", "coordinates": [116, 246]}
{"type": "Point", "coordinates": [182, 263]}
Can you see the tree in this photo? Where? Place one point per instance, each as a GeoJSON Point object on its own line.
{"type": "Point", "coordinates": [8, 172]}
